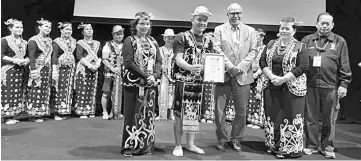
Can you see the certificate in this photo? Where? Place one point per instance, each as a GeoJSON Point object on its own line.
{"type": "Point", "coordinates": [214, 68]}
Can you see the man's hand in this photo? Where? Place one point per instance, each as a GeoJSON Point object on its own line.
{"type": "Point", "coordinates": [235, 71]}
{"type": "Point", "coordinates": [359, 64]}
{"type": "Point", "coordinates": [116, 70]}
{"type": "Point", "coordinates": [341, 92]}
{"type": "Point", "coordinates": [151, 80]}
{"type": "Point", "coordinates": [196, 69]}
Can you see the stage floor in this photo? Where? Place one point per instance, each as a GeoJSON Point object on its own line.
{"type": "Point", "coordinates": [98, 139]}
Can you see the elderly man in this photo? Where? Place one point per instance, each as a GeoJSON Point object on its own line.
{"type": "Point", "coordinates": [239, 43]}
{"type": "Point", "coordinates": [329, 75]}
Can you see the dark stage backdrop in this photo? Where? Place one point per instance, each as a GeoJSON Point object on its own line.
{"type": "Point", "coordinates": [347, 18]}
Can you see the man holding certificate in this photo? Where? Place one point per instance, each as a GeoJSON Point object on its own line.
{"type": "Point", "coordinates": [239, 43]}
{"type": "Point", "coordinates": [190, 48]}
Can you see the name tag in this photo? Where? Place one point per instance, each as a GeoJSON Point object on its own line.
{"type": "Point", "coordinates": [141, 91]}
{"type": "Point", "coordinates": [317, 61]}
{"type": "Point", "coordinates": [150, 64]}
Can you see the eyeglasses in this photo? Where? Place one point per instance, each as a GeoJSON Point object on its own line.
{"type": "Point", "coordinates": [322, 23]}
{"type": "Point", "coordinates": [235, 13]}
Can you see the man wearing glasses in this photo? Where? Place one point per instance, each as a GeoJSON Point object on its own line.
{"type": "Point", "coordinates": [329, 75]}
{"type": "Point", "coordinates": [239, 43]}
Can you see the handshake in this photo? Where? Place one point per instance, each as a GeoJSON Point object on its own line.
{"type": "Point", "coordinates": [235, 71]}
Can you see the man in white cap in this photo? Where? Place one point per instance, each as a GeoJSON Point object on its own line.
{"type": "Point", "coordinates": [189, 48]}
{"type": "Point", "coordinates": [167, 84]}
{"type": "Point", "coordinates": [112, 59]}
{"type": "Point", "coordinates": [239, 43]}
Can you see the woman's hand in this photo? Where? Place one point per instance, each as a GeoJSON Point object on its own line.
{"type": "Point", "coordinates": [34, 74]}
{"type": "Point", "coordinates": [26, 61]}
{"type": "Point", "coordinates": [92, 67]}
{"type": "Point", "coordinates": [164, 69]}
{"type": "Point", "coordinates": [277, 81]}
{"type": "Point", "coordinates": [55, 75]}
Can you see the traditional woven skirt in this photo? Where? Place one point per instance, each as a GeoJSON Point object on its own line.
{"type": "Point", "coordinates": [39, 96]}
{"type": "Point", "coordinates": [64, 93]}
{"type": "Point", "coordinates": [117, 98]}
{"type": "Point", "coordinates": [188, 101]}
{"type": "Point", "coordinates": [85, 91]}
{"type": "Point", "coordinates": [255, 112]}
{"type": "Point", "coordinates": [12, 92]}
{"type": "Point", "coordinates": [166, 97]}
{"type": "Point", "coordinates": [139, 128]}
{"type": "Point", "coordinates": [284, 122]}
{"type": "Point", "coordinates": [208, 101]}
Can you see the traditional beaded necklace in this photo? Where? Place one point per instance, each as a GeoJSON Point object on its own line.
{"type": "Point", "coordinates": [90, 43]}
{"type": "Point", "coordinates": [68, 43]}
{"type": "Point", "coordinates": [18, 44]}
{"type": "Point", "coordinates": [283, 49]}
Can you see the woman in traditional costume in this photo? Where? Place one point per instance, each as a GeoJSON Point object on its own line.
{"type": "Point", "coordinates": [86, 73]}
{"type": "Point", "coordinates": [284, 63]}
{"type": "Point", "coordinates": [255, 112]}
{"type": "Point", "coordinates": [40, 49]}
{"type": "Point", "coordinates": [13, 62]}
{"type": "Point", "coordinates": [63, 62]}
{"type": "Point", "coordinates": [142, 63]}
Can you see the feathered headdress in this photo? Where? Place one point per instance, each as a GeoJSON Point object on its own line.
{"type": "Point", "coordinates": [43, 21]}
{"type": "Point", "coordinates": [63, 25]}
{"type": "Point", "coordinates": [82, 25]}
{"type": "Point", "coordinates": [11, 21]}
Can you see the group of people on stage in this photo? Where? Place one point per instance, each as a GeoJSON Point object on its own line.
{"type": "Point", "coordinates": [282, 86]}
{"type": "Point", "coordinates": [62, 73]}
